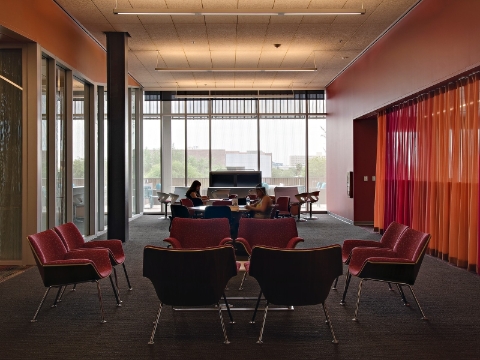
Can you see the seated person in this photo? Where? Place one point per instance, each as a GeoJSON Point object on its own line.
{"type": "Point", "coordinates": [263, 206]}
{"type": "Point", "coordinates": [193, 193]}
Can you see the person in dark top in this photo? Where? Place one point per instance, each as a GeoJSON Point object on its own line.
{"type": "Point", "coordinates": [194, 191]}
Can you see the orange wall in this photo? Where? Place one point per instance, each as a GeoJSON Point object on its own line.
{"type": "Point", "coordinates": [44, 22]}
{"type": "Point", "coordinates": [437, 40]}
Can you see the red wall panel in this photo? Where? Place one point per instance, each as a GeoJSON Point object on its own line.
{"type": "Point", "coordinates": [435, 41]}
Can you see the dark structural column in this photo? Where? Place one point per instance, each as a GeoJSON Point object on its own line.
{"type": "Point", "coordinates": [117, 105]}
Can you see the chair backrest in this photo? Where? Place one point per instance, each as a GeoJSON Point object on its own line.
{"type": "Point", "coordinates": [72, 238]}
{"type": "Point", "coordinates": [221, 203]}
{"type": "Point", "coordinates": [212, 212]}
{"type": "Point", "coordinates": [183, 277]}
{"type": "Point", "coordinates": [162, 197]}
{"type": "Point", "coordinates": [268, 232]}
{"type": "Point", "coordinates": [199, 233]}
{"type": "Point", "coordinates": [392, 234]}
{"type": "Point", "coordinates": [412, 245]}
{"type": "Point", "coordinates": [232, 196]}
{"type": "Point", "coordinates": [296, 276]}
{"type": "Point", "coordinates": [186, 202]}
{"type": "Point", "coordinates": [174, 197]}
{"type": "Point", "coordinates": [289, 191]}
{"type": "Point", "coordinates": [273, 212]}
{"type": "Point", "coordinates": [197, 202]}
{"type": "Point", "coordinates": [283, 203]}
{"type": "Point", "coordinates": [179, 211]}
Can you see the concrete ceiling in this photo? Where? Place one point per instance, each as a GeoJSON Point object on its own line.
{"type": "Point", "coordinates": [329, 43]}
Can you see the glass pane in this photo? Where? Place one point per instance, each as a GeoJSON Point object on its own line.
{"type": "Point", "coordinates": [132, 155]}
{"type": "Point", "coordinates": [234, 143]}
{"type": "Point", "coordinates": [60, 179]}
{"type": "Point", "coordinates": [178, 152]}
{"type": "Point", "coordinates": [282, 142]}
{"type": "Point", "coordinates": [197, 151]}
{"type": "Point", "coordinates": [105, 154]}
{"type": "Point", "coordinates": [44, 145]}
{"type": "Point", "coordinates": [11, 155]}
{"type": "Point", "coordinates": [152, 158]}
{"type": "Point", "coordinates": [317, 160]}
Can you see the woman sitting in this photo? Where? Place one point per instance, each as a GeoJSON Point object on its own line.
{"type": "Point", "coordinates": [262, 208]}
{"type": "Point", "coordinates": [193, 193]}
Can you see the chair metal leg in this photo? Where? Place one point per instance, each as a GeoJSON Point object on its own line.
{"type": "Point", "coordinates": [390, 286]}
{"type": "Point", "coordinates": [348, 277]}
{"type": "Point", "coordinates": [61, 294]}
{"type": "Point", "coordinates": [256, 308]}
{"type": "Point", "coordinates": [74, 287]}
{"type": "Point", "coordinates": [101, 303]}
{"type": "Point", "coordinates": [243, 280]}
{"type": "Point", "coordinates": [335, 341]}
{"type": "Point", "coordinates": [41, 303]}
{"type": "Point", "coordinates": [155, 323]}
{"type": "Point", "coordinates": [418, 304]}
{"type": "Point", "coordinates": [116, 280]}
{"type": "Point", "coordinates": [223, 324]}
{"type": "Point", "coordinates": [115, 291]}
{"type": "Point", "coordinates": [358, 300]}
{"type": "Point", "coordinates": [404, 299]}
{"type": "Point", "coordinates": [57, 297]}
{"type": "Point", "coordinates": [259, 341]}
{"type": "Point", "coordinates": [334, 287]}
{"type": "Point", "coordinates": [126, 275]}
{"type": "Point", "coordinates": [228, 309]}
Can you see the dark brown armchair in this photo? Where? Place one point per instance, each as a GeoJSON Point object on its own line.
{"type": "Point", "coordinates": [189, 277]}
{"type": "Point", "coordinates": [295, 277]}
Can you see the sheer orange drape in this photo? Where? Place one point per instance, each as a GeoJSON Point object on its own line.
{"type": "Point", "coordinates": [380, 173]}
{"type": "Point", "coordinates": [445, 169]}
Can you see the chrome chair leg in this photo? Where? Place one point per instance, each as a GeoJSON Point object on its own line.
{"type": "Point", "coordinates": [334, 287]}
{"type": "Point", "coordinates": [228, 309]}
{"type": "Point", "coordinates": [74, 287]}
{"type": "Point", "coordinates": [155, 323]}
{"type": "Point", "coordinates": [39, 306]}
{"type": "Point", "coordinates": [335, 341]}
{"type": "Point", "coordinates": [402, 294]}
{"type": "Point", "coordinates": [243, 280]}
{"type": "Point", "coordinates": [256, 308]}
{"type": "Point", "coordinates": [418, 304]}
{"type": "Point", "coordinates": [126, 275]}
{"type": "Point", "coordinates": [115, 292]}
{"type": "Point", "coordinates": [223, 324]}
{"type": "Point", "coordinates": [358, 300]}
{"type": "Point", "coordinates": [55, 302]}
{"type": "Point", "coordinates": [61, 294]}
{"type": "Point", "coordinates": [259, 341]}
{"type": "Point", "coordinates": [101, 303]}
{"type": "Point", "coordinates": [348, 277]}
{"type": "Point", "coordinates": [390, 286]}
{"type": "Point", "coordinates": [116, 280]}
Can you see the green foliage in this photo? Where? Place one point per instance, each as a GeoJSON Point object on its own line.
{"type": "Point", "coordinates": [78, 168]}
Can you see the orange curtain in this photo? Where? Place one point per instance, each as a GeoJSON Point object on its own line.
{"type": "Point", "coordinates": [445, 168]}
{"type": "Point", "coordinates": [380, 173]}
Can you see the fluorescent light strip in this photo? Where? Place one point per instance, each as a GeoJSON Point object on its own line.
{"type": "Point", "coordinates": [234, 69]}
{"type": "Point", "coordinates": [239, 12]}
{"type": "Point", "coordinates": [11, 82]}
{"type": "Point", "coordinates": [286, 96]}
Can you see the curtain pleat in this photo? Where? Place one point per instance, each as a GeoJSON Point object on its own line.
{"type": "Point", "coordinates": [428, 154]}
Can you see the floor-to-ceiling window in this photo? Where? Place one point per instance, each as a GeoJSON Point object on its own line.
{"type": "Point", "coordinates": [60, 135]}
{"type": "Point", "coordinates": [133, 162]}
{"type": "Point", "coordinates": [152, 155]}
{"type": "Point", "coordinates": [44, 146]}
{"type": "Point", "coordinates": [282, 137]}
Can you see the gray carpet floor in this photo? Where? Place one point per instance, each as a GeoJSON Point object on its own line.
{"type": "Point", "coordinates": [386, 329]}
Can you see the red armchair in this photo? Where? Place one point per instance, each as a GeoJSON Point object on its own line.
{"type": "Point", "coordinates": [295, 277]}
{"type": "Point", "coordinates": [198, 233]}
{"type": "Point", "coordinates": [59, 268]}
{"type": "Point", "coordinates": [283, 206]}
{"type": "Point", "coordinates": [389, 239]}
{"type": "Point", "coordinates": [399, 265]}
{"type": "Point", "coordinates": [279, 233]}
{"type": "Point", "coordinates": [189, 277]}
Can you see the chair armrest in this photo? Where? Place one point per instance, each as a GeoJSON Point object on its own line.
{"type": "Point", "coordinates": [360, 254]}
{"type": "Point", "coordinates": [71, 271]}
{"type": "Point", "coordinates": [226, 241]}
{"type": "Point", "coordinates": [389, 269]}
{"type": "Point", "coordinates": [174, 242]}
{"type": "Point", "coordinates": [115, 248]}
{"type": "Point", "coordinates": [293, 242]}
{"type": "Point", "coordinates": [100, 258]}
{"type": "Point", "coordinates": [349, 245]}
{"type": "Point", "coordinates": [245, 244]}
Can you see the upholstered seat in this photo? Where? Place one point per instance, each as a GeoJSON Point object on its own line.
{"type": "Point", "coordinates": [59, 267]}
{"type": "Point", "coordinates": [283, 206]}
{"type": "Point", "coordinates": [179, 211]}
{"type": "Point", "coordinates": [198, 233]}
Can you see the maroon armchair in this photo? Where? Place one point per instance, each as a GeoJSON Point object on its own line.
{"type": "Point", "coordinates": [389, 239]}
{"type": "Point", "coordinates": [189, 277]}
{"type": "Point", "coordinates": [399, 265]}
{"type": "Point", "coordinates": [73, 240]}
{"type": "Point", "coordinates": [59, 268]}
{"type": "Point", "coordinates": [279, 233]}
{"type": "Point", "coordinates": [198, 233]}
{"type": "Point", "coordinates": [283, 206]}
{"type": "Point", "coordinates": [295, 277]}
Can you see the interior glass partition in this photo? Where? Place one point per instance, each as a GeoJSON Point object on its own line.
{"type": "Point", "coordinates": [44, 146]}
{"type": "Point", "coordinates": [152, 155]}
{"type": "Point", "coordinates": [60, 176]}
{"type": "Point", "coordinates": [198, 140]}
{"type": "Point", "coordinates": [11, 154]}
{"type": "Point", "coordinates": [133, 146]}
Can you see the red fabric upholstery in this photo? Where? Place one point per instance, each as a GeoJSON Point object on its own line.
{"type": "Point", "coordinates": [198, 233]}
{"type": "Point", "coordinates": [389, 239]}
{"type": "Point", "coordinates": [73, 239]}
{"type": "Point", "coordinates": [279, 233]}
{"type": "Point", "coordinates": [59, 267]}
{"type": "Point", "coordinates": [221, 203]}
{"type": "Point", "coordinates": [283, 206]}
{"type": "Point", "coordinates": [188, 203]}
{"type": "Point", "coordinates": [246, 265]}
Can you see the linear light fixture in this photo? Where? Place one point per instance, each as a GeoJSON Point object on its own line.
{"type": "Point", "coordinates": [232, 96]}
{"type": "Point", "coordinates": [238, 12]}
{"type": "Point", "coordinates": [233, 69]}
